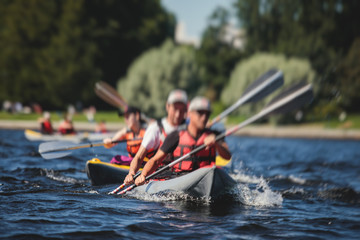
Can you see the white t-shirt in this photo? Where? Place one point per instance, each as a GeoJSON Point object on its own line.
{"type": "Point", "coordinates": [152, 135]}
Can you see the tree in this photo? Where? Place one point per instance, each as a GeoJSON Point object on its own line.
{"type": "Point", "coordinates": [216, 56]}
{"type": "Point", "coordinates": [349, 75]}
{"type": "Point", "coordinates": [54, 51]}
{"type": "Point", "coordinates": [155, 73]}
{"type": "Point", "coordinates": [125, 29]}
{"type": "Point", "coordinates": [245, 72]}
{"type": "Point", "coordinates": [321, 31]}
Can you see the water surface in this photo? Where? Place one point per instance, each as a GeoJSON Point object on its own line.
{"type": "Point", "coordinates": [287, 188]}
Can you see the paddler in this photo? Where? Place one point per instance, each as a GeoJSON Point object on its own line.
{"type": "Point", "coordinates": [66, 126]}
{"type": "Point", "coordinates": [176, 108]}
{"type": "Point", "coordinates": [45, 124]}
{"type": "Point", "coordinates": [183, 141]}
{"type": "Point", "coordinates": [133, 132]}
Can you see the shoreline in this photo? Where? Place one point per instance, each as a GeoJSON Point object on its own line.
{"type": "Point", "coordinates": [293, 131]}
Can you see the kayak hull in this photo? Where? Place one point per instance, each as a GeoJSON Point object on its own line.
{"type": "Point", "coordinates": [207, 182]}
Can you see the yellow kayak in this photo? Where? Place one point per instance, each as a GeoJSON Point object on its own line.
{"type": "Point", "coordinates": [32, 135]}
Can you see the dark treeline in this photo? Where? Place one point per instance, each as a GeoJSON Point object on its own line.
{"type": "Point", "coordinates": [54, 51]}
{"type": "Point", "coordinates": [60, 48]}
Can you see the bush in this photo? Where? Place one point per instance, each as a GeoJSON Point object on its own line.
{"type": "Point", "coordinates": [155, 73]}
{"type": "Point", "coordinates": [245, 72]}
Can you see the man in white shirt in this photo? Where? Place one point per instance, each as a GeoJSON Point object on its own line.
{"type": "Point", "coordinates": [176, 107]}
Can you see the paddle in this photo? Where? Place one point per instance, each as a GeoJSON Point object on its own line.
{"type": "Point", "coordinates": [290, 99]}
{"type": "Point", "coordinates": [111, 96]}
{"type": "Point", "coordinates": [260, 88]}
{"type": "Point", "coordinates": [59, 149]}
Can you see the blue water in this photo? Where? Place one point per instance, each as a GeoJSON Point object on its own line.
{"type": "Point", "coordinates": [287, 189]}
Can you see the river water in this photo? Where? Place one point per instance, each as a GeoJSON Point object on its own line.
{"type": "Point", "coordinates": [287, 189]}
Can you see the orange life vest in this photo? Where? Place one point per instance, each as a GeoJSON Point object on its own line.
{"type": "Point", "coordinates": [200, 159]}
{"type": "Point", "coordinates": [134, 145]}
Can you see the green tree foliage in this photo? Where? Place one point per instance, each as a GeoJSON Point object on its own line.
{"type": "Point", "coordinates": [124, 29]}
{"type": "Point", "coordinates": [47, 57]}
{"type": "Point", "coordinates": [321, 31]}
{"type": "Point", "coordinates": [216, 56]}
{"type": "Point", "coordinates": [312, 29]}
{"type": "Point", "coordinates": [245, 72]}
{"type": "Point", "coordinates": [54, 51]}
{"type": "Point", "coordinates": [155, 73]}
{"type": "Point", "coordinates": [349, 75]}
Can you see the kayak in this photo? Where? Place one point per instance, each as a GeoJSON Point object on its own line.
{"type": "Point", "coordinates": [206, 182]}
{"type": "Point", "coordinates": [101, 173]}
{"type": "Point", "coordinates": [32, 135]}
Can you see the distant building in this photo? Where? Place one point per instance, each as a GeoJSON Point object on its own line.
{"type": "Point", "coordinates": [233, 36]}
{"type": "Point", "coordinates": [182, 38]}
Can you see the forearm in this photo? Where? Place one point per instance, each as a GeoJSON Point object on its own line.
{"type": "Point", "coordinates": [223, 150]}
{"type": "Point", "coordinates": [137, 161]}
{"type": "Point", "coordinates": [119, 135]}
{"type": "Point", "coordinates": [153, 163]}
{"type": "Point", "coordinates": [149, 168]}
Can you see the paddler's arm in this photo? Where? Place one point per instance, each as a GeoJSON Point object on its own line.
{"type": "Point", "coordinates": [135, 165]}
{"type": "Point", "coordinates": [149, 141]}
{"type": "Point", "coordinates": [221, 146]}
{"type": "Point", "coordinates": [170, 143]}
{"type": "Point", "coordinates": [150, 166]}
{"type": "Point", "coordinates": [118, 136]}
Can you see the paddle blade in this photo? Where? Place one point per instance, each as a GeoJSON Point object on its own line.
{"type": "Point", "coordinates": [50, 150]}
{"type": "Point", "coordinates": [293, 97]}
{"type": "Point", "coordinates": [53, 155]}
{"type": "Point", "coordinates": [56, 149]}
{"type": "Point", "coordinates": [264, 85]}
{"type": "Point", "coordinates": [54, 146]}
{"type": "Point", "coordinates": [290, 99]}
{"type": "Point", "coordinates": [109, 95]}
{"type": "Point", "coordinates": [260, 88]}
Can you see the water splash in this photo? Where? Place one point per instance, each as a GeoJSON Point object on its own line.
{"type": "Point", "coordinates": [297, 180]}
{"type": "Point", "coordinates": [168, 197]}
{"type": "Point", "coordinates": [261, 196]}
{"type": "Point", "coordinates": [240, 176]}
{"type": "Point", "coordinates": [53, 175]}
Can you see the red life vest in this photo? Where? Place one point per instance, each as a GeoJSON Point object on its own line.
{"type": "Point", "coordinates": [46, 127]}
{"type": "Point", "coordinates": [200, 159]}
{"type": "Point", "coordinates": [65, 131]}
{"type": "Point", "coordinates": [134, 145]}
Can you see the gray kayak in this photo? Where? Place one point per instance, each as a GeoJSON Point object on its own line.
{"type": "Point", "coordinates": [209, 182]}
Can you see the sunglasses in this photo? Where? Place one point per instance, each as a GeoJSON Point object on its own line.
{"type": "Point", "coordinates": [203, 112]}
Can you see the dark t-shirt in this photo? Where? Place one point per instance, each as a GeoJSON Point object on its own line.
{"type": "Point", "coordinates": [170, 143]}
